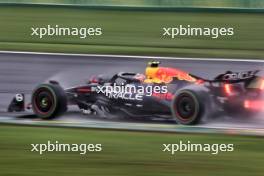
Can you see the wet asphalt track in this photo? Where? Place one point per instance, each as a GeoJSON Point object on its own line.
{"type": "Point", "coordinates": [22, 72]}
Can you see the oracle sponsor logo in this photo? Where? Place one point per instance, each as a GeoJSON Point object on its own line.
{"type": "Point", "coordinates": [239, 75]}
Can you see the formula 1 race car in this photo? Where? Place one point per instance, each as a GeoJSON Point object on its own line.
{"type": "Point", "coordinates": [161, 92]}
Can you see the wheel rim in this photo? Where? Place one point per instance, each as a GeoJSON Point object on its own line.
{"type": "Point", "coordinates": [185, 107]}
{"type": "Point", "coordinates": [43, 101]}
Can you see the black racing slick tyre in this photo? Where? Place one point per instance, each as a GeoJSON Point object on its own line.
{"type": "Point", "coordinates": [187, 107]}
{"type": "Point", "coordinates": [49, 101]}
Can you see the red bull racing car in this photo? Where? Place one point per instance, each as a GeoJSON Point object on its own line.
{"type": "Point", "coordinates": [161, 92]}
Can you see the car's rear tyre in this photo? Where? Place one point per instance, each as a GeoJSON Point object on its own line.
{"type": "Point", "coordinates": [49, 101]}
{"type": "Point", "coordinates": [187, 107]}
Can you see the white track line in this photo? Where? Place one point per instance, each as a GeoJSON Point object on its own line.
{"type": "Point", "coordinates": [130, 56]}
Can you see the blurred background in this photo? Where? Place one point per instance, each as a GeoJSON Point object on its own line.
{"type": "Point", "coordinates": [153, 3]}
{"type": "Point", "coordinates": [135, 27]}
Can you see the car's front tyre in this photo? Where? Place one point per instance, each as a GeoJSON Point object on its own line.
{"type": "Point", "coordinates": [49, 101]}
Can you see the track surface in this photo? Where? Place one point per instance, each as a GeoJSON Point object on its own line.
{"type": "Point", "coordinates": [22, 72]}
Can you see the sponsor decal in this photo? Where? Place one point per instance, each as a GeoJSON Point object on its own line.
{"type": "Point", "coordinates": [239, 75]}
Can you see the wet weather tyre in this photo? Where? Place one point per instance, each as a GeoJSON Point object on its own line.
{"type": "Point", "coordinates": [186, 107]}
{"type": "Point", "coordinates": [49, 101]}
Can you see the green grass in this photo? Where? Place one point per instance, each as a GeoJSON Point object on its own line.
{"type": "Point", "coordinates": [131, 32]}
{"type": "Point", "coordinates": [125, 153]}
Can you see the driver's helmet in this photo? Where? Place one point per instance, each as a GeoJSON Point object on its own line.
{"type": "Point", "coordinates": [151, 72]}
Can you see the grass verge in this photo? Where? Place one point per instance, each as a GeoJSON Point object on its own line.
{"type": "Point", "coordinates": [125, 153]}
{"type": "Point", "coordinates": [131, 32]}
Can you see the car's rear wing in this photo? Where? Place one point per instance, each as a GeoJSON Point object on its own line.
{"type": "Point", "coordinates": [232, 77]}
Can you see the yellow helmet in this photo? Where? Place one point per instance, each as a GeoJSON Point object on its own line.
{"type": "Point", "coordinates": [151, 69]}
{"type": "Point", "coordinates": [153, 64]}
